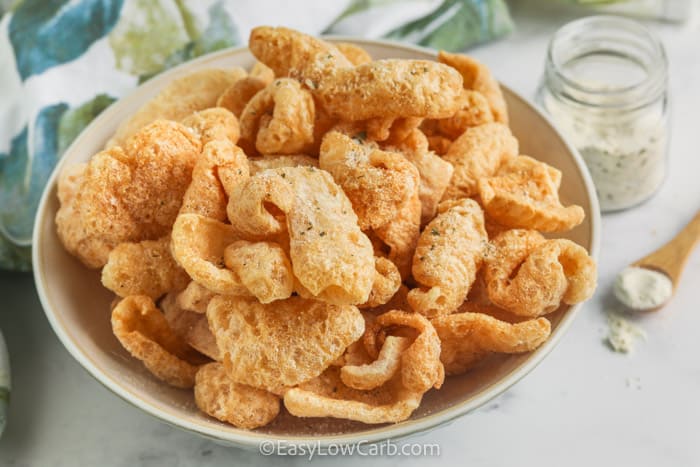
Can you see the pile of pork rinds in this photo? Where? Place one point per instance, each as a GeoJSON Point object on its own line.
{"type": "Point", "coordinates": [325, 230]}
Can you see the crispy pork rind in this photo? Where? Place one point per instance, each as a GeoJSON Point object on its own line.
{"type": "Point", "coordinates": [221, 167]}
{"type": "Point", "coordinates": [382, 369]}
{"type": "Point", "coordinates": [129, 194]}
{"type": "Point", "coordinates": [279, 119]}
{"type": "Point", "coordinates": [144, 332]}
{"type": "Point", "coordinates": [387, 281]}
{"type": "Point", "coordinates": [376, 182]}
{"type": "Point", "coordinates": [468, 337]}
{"type": "Point", "coordinates": [258, 164]}
{"type": "Point", "coordinates": [449, 254]}
{"type": "Point", "coordinates": [263, 72]}
{"type": "Point", "coordinates": [524, 194]}
{"type": "Point", "coordinates": [354, 53]}
{"type": "Point", "coordinates": [240, 93]}
{"type": "Point", "coordinates": [242, 406]}
{"type": "Point", "coordinates": [478, 77]}
{"type": "Point", "coordinates": [530, 276]}
{"type": "Point", "coordinates": [435, 172]}
{"type": "Point", "coordinates": [401, 234]}
{"type": "Point", "coordinates": [391, 88]}
{"type": "Point", "coordinates": [281, 344]}
{"type": "Point", "coordinates": [420, 362]}
{"type": "Point", "coordinates": [262, 268]}
{"type": "Point", "coordinates": [215, 124]}
{"type": "Point", "coordinates": [180, 98]}
{"type": "Point", "coordinates": [294, 54]}
{"type": "Point", "coordinates": [191, 326]}
{"type": "Point", "coordinates": [195, 297]}
{"type": "Point", "coordinates": [331, 257]}
{"type": "Point", "coordinates": [439, 144]}
{"type": "Point", "coordinates": [478, 153]}
{"type": "Point", "coordinates": [144, 268]}
{"type": "Point", "coordinates": [328, 396]}
{"type": "Point", "coordinates": [474, 111]}
{"type": "Point", "coordinates": [198, 245]}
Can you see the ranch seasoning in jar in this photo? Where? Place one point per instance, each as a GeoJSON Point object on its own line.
{"type": "Point", "coordinates": [605, 86]}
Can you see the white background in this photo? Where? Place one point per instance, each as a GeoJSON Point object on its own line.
{"type": "Point", "coordinates": [584, 405]}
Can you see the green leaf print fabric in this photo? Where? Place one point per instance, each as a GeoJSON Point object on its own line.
{"type": "Point", "coordinates": [62, 62]}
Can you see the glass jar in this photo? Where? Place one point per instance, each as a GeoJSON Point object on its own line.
{"type": "Point", "coordinates": [605, 87]}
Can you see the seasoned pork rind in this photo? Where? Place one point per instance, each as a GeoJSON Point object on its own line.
{"type": "Point", "coordinates": [237, 96]}
{"type": "Point", "coordinates": [449, 254]}
{"type": "Point", "coordinates": [474, 111]}
{"type": "Point", "coordinates": [215, 124]}
{"type": "Point", "coordinates": [191, 326]}
{"type": "Point", "coordinates": [262, 268]}
{"type": "Point", "coordinates": [242, 406]}
{"type": "Point", "coordinates": [401, 234]}
{"type": "Point", "coordinates": [195, 298]}
{"type": "Point", "coordinates": [530, 276]}
{"type": "Point", "coordinates": [258, 164]}
{"type": "Point", "coordinates": [183, 96]}
{"type": "Point", "coordinates": [354, 53]}
{"type": "Point", "coordinates": [478, 153]}
{"type": "Point", "coordinates": [524, 194]}
{"type": "Point", "coordinates": [478, 77]}
{"type": "Point", "coordinates": [387, 281]}
{"type": "Point", "coordinates": [376, 182]}
{"type": "Point", "coordinates": [129, 194]}
{"type": "Point", "coordinates": [468, 337]}
{"type": "Point", "coordinates": [391, 88]}
{"type": "Point", "coordinates": [198, 245]}
{"type": "Point", "coordinates": [328, 396]}
{"type": "Point", "coordinates": [144, 332]}
{"type": "Point", "coordinates": [439, 144]}
{"type": "Point", "coordinates": [281, 344]}
{"type": "Point", "coordinates": [292, 53]}
{"type": "Point", "coordinates": [221, 167]}
{"type": "Point", "coordinates": [144, 268]}
{"type": "Point", "coordinates": [374, 374]}
{"type": "Point", "coordinates": [279, 119]}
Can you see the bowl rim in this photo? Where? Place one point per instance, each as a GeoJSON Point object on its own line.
{"type": "Point", "coordinates": [253, 439]}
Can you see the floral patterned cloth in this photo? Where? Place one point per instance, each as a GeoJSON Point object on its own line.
{"type": "Point", "coordinates": [64, 61]}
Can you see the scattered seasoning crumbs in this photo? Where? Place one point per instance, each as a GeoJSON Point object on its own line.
{"type": "Point", "coordinates": [322, 234]}
{"type": "Point", "coordinates": [434, 231]}
{"type": "Point", "coordinates": [622, 334]}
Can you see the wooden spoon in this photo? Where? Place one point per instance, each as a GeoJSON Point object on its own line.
{"type": "Point", "coordinates": [646, 290]}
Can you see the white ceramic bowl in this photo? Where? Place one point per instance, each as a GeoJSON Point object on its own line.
{"type": "Point", "coordinates": [77, 305]}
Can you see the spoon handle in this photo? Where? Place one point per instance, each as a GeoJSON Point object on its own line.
{"type": "Point", "coordinates": [671, 257]}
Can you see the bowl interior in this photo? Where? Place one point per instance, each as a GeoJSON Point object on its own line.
{"type": "Point", "coordinates": [78, 306]}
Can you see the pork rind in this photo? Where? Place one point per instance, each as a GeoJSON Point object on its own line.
{"type": "Point", "coordinates": [327, 396]}
{"type": "Point", "coordinates": [372, 375]}
{"type": "Point", "coordinates": [474, 111]}
{"type": "Point", "coordinates": [279, 119]}
{"type": "Point", "coordinates": [530, 276]}
{"type": "Point", "coordinates": [258, 164]}
{"type": "Point", "coordinates": [449, 254]}
{"type": "Point", "coordinates": [127, 195]}
{"type": "Point", "coordinates": [215, 124]}
{"type": "Point", "coordinates": [468, 337]}
{"type": "Point", "coordinates": [292, 53]}
{"type": "Point", "coordinates": [439, 144]}
{"type": "Point", "coordinates": [478, 153]}
{"type": "Point", "coordinates": [242, 406]}
{"type": "Point", "coordinates": [420, 362]}
{"type": "Point", "coordinates": [262, 268]}
{"type": "Point", "coordinates": [281, 344]}
{"type": "Point", "coordinates": [237, 96]}
{"type": "Point", "coordinates": [144, 268]}
{"type": "Point", "coordinates": [190, 326]}
{"type": "Point", "coordinates": [221, 167]}
{"type": "Point", "coordinates": [144, 332]}
{"type": "Point", "coordinates": [354, 53]}
{"type": "Point", "coordinates": [183, 96]}
{"type": "Point", "coordinates": [401, 234]}
{"type": "Point", "coordinates": [387, 281]}
{"type": "Point", "coordinates": [198, 245]}
{"type": "Point", "coordinates": [331, 257]}
{"type": "Point", "coordinates": [391, 88]}
{"type": "Point", "coordinates": [524, 194]}
{"type": "Point", "coordinates": [478, 77]}
{"type": "Point", "coordinates": [195, 298]}
{"type": "Point", "coordinates": [376, 182]}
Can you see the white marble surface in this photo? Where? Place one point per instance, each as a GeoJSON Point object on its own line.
{"type": "Point", "coordinates": [584, 405]}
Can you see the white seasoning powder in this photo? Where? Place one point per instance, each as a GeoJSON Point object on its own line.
{"type": "Point", "coordinates": [625, 154]}
{"type": "Point", "coordinates": [642, 288]}
{"type": "Point", "coordinates": [622, 334]}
